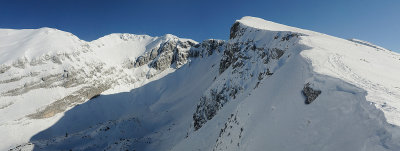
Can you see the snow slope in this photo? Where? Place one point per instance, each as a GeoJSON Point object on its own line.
{"type": "Point", "coordinates": [44, 72]}
{"type": "Point", "coordinates": [32, 43]}
{"type": "Point", "coordinates": [367, 66]}
{"type": "Point", "coordinates": [274, 116]}
{"type": "Point", "coordinates": [168, 93]}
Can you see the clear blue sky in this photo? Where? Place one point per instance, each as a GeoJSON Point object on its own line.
{"type": "Point", "coordinates": [377, 21]}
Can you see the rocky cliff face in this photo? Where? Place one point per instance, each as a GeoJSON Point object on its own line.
{"type": "Point", "coordinates": [172, 53]}
{"type": "Point", "coordinates": [245, 62]}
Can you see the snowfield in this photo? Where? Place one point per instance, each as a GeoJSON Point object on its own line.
{"type": "Point", "coordinates": [360, 63]}
{"type": "Point", "coordinates": [137, 92]}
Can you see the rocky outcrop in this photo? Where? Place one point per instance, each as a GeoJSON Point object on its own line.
{"type": "Point", "coordinates": [236, 31]}
{"type": "Point", "coordinates": [78, 97]}
{"type": "Point", "coordinates": [288, 36]}
{"type": "Point", "coordinates": [165, 56]}
{"type": "Point", "coordinates": [211, 103]}
{"type": "Point", "coordinates": [65, 78]}
{"type": "Point", "coordinates": [146, 57]}
{"type": "Point", "coordinates": [207, 48]}
{"type": "Point", "coordinates": [310, 93]}
{"type": "Point", "coordinates": [245, 62]}
{"type": "Point", "coordinates": [173, 53]}
{"type": "Point", "coordinates": [229, 56]}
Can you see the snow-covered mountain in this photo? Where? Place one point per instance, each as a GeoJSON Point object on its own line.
{"type": "Point", "coordinates": [269, 87]}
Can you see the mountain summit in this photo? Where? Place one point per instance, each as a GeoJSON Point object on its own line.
{"type": "Point", "coordinates": [269, 87]}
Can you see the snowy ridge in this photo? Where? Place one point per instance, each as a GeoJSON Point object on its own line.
{"type": "Point", "coordinates": [258, 23]}
{"type": "Point", "coordinates": [247, 93]}
{"type": "Point", "coordinates": [364, 67]}
{"type": "Point", "coordinates": [32, 43]}
{"type": "Point", "coordinates": [273, 116]}
{"type": "Point", "coordinates": [368, 44]}
{"type": "Point", "coordinates": [57, 71]}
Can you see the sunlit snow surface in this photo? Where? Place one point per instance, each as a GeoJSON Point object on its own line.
{"type": "Point", "coordinates": [358, 80]}
{"type": "Point", "coordinates": [273, 118]}
{"type": "Point", "coordinates": [369, 67]}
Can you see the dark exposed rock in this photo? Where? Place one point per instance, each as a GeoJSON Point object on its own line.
{"type": "Point", "coordinates": [233, 53]}
{"type": "Point", "coordinates": [211, 45]}
{"type": "Point", "coordinates": [310, 93]}
{"type": "Point", "coordinates": [234, 29]}
{"type": "Point", "coordinates": [238, 64]}
{"type": "Point", "coordinates": [209, 105]}
{"type": "Point", "coordinates": [287, 37]}
{"type": "Point", "coordinates": [276, 53]}
{"type": "Point", "coordinates": [269, 72]}
{"type": "Point", "coordinates": [229, 56]}
{"type": "Point", "coordinates": [260, 76]}
{"type": "Point", "coordinates": [206, 48]}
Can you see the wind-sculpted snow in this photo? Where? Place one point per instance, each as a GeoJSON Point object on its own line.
{"type": "Point", "coordinates": [368, 44]}
{"type": "Point", "coordinates": [169, 93]}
